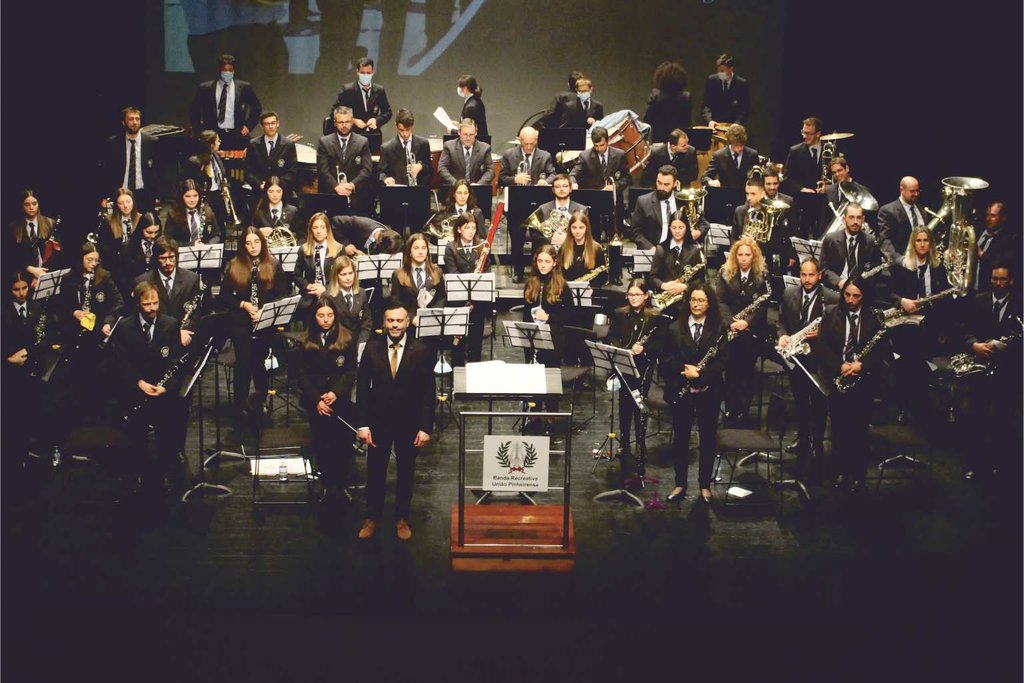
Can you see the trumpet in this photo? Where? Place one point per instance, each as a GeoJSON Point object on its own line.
{"type": "Point", "coordinates": [340, 175]}
{"type": "Point", "coordinates": [523, 169]}
{"type": "Point", "coordinates": [410, 159]}
{"type": "Point", "coordinates": [229, 205]}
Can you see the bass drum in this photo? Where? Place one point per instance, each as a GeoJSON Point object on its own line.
{"type": "Point", "coordinates": [306, 157]}
{"type": "Point", "coordinates": [627, 137]}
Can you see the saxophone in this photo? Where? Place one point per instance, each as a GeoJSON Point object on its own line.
{"type": "Point", "coordinates": [701, 364]}
{"type": "Point", "coordinates": [871, 272]}
{"type": "Point", "coordinates": [844, 383]}
{"type": "Point", "coordinates": [752, 308]}
{"type": "Point", "coordinates": [891, 317]}
{"type": "Point", "coordinates": [798, 344]}
{"type": "Point", "coordinates": [592, 274]}
{"type": "Point", "coordinates": [663, 300]}
{"type": "Point", "coordinates": [964, 364]}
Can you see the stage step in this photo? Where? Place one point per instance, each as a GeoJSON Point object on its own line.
{"type": "Point", "coordinates": [512, 538]}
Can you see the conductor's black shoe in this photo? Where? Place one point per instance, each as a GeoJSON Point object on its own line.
{"type": "Point", "coordinates": [839, 483]}
{"type": "Point", "coordinates": [674, 495]}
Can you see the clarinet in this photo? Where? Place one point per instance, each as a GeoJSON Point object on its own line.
{"type": "Point", "coordinates": [749, 310]}
{"type": "Point", "coordinates": [171, 372]}
{"type": "Point", "coordinates": [701, 364]}
{"type": "Point", "coordinates": [319, 273]}
{"type": "Point", "coordinates": [192, 305]}
{"type": "Point", "coordinates": [254, 279]}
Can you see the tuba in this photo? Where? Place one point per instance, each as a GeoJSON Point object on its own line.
{"type": "Point", "coordinates": [762, 221]}
{"type": "Point", "coordinates": [691, 200]}
{"type": "Point", "coordinates": [959, 253]}
{"type": "Point", "coordinates": [558, 221]}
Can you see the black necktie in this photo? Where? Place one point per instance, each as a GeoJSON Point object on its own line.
{"type": "Point", "coordinates": [270, 147]}
{"type": "Point", "coordinates": [697, 328]}
{"type": "Point", "coordinates": [469, 151]}
{"type": "Point", "coordinates": [148, 248]}
{"type": "Point", "coordinates": [222, 104]}
{"type": "Point", "coordinates": [997, 306]}
{"type": "Point", "coordinates": [419, 278]}
{"type": "Point", "coordinates": [736, 159]}
{"type": "Point", "coordinates": [131, 164]}
{"type": "Point", "coordinates": [273, 217]}
{"type": "Point", "coordinates": [814, 155]}
{"type": "Point", "coordinates": [851, 256]}
{"type": "Point", "coordinates": [194, 226]}
{"type": "Point", "coordinates": [348, 301]}
{"type": "Point", "coordinates": [805, 310]}
{"type": "Point", "coordinates": [851, 338]}
{"type": "Point", "coordinates": [986, 237]}
{"type": "Point", "coordinates": [604, 166]}
{"type": "Point", "coordinates": [319, 263]}
{"type": "Point", "coordinates": [921, 289]}
{"type": "Point", "coordinates": [344, 146]}
{"type": "Point", "coordinates": [127, 229]}
{"type": "Point", "coordinates": [675, 252]}
{"type": "Point", "coordinates": [915, 217]}
{"type": "Point", "coordinates": [168, 284]}
{"type": "Point", "coordinates": [32, 231]}
{"type": "Point", "coordinates": [22, 313]}
{"type": "Point", "coordinates": [323, 339]}
{"type": "Point", "coordinates": [147, 329]}
{"type": "Point", "coordinates": [666, 213]}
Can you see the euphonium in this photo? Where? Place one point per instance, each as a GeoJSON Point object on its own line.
{"type": "Point", "coordinates": [762, 221]}
{"type": "Point", "coordinates": [959, 254]}
{"type": "Point", "coordinates": [691, 200]}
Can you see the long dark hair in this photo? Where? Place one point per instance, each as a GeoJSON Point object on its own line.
{"type": "Point", "coordinates": [449, 203]}
{"type": "Point", "coordinates": [553, 292]}
{"type": "Point", "coordinates": [338, 336]}
{"type": "Point", "coordinates": [78, 268]}
{"type": "Point", "coordinates": [240, 267]}
{"type": "Point", "coordinates": [713, 317]}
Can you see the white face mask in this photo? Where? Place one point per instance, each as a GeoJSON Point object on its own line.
{"type": "Point", "coordinates": [458, 91]}
{"type": "Point", "coordinates": [722, 76]}
{"type": "Point", "coordinates": [584, 97]}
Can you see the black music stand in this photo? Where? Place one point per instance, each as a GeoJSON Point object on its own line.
{"type": "Point", "coordinates": [529, 337]}
{"type": "Point", "coordinates": [288, 256]}
{"type": "Point", "coordinates": [49, 284]}
{"type": "Point", "coordinates": [620, 363]}
{"type": "Point", "coordinates": [377, 267]}
{"type": "Point", "coordinates": [405, 208]}
{"type": "Point", "coordinates": [700, 138]}
{"type": "Point", "coordinates": [441, 323]}
{"type": "Point", "coordinates": [602, 205]}
{"type": "Point", "coordinates": [643, 260]}
{"type": "Point", "coordinates": [201, 487]}
{"type": "Point", "coordinates": [470, 287]}
{"type": "Point", "coordinates": [201, 257]}
{"type": "Point", "coordinates": [807, 206]}
{"type": "Point", "coordinates": [721, 202]}
{"type": "Point", "coordinates": [555, 140]}
{"type": "Point", "coordinates": [805, 249]}
{"type": "Point", "coordinates": [522, 201]}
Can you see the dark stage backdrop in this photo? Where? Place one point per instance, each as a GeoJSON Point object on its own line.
{"type": "Point", "coordinates": [920, 87]}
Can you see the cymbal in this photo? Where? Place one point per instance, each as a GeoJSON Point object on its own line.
{"type": "Point", "coordinates": [836, 136]}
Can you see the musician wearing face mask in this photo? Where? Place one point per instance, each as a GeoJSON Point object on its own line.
{"type": "Point", "coordinates": [842, 352]}
{"type": "Point", "coordinates": [463, 255]}
{"type": "Point", "coordinates": [677, 153]}
{"type": "Point", "coordinates": [991, 339]}
{"type": "Point", "coordinates": [272, 211]}
{"type": "Point", "coordinates": [396, 153]}
{"type": "Point", "coordinates": [472, 104]}
{"type": "Point", "coordinates": [351, 300]}
{"type": "Point", "coordinates": [777, 248]}
{"type": "Point", "coordinates": [175, 286]}
{"type": "Point", "coordinates": [327, 374]}
{"type": "Point", "coordinates": [848, 251]}
{"type": "Point", "coordinates": [271, 155]}
{"type": "Point", "coordinates": [726, 95]}
{"type": "Point", "coordinates": [147, 345]}
{"type": "Point", "coordinates": [672, 258]}
{"type": "Point", "coordinates": [191, 221]}
{"type": "Point", "coordinates": [742, 279]}
{"type": "Point", "coordinates": [693, 357]}
{"type": "Point", "coordinates": [367, 100]}
{"type": "Point", "coordinates": [343, 163]}
{"type": "Point", "coordinates": [583, 110]}
{"type": "Point", "coordinates": [228, 106]}
{"type": "Point", "coordinates": [801, 306]}
{"type": "Point", "coordinates": [312, 272]}
{"type": "Point", "coordinates": [251, 279]}
{"type": "Point", "coordinates": [730, 166]}
{"type": "Point", "coordinates": [27, 239]}
{"type": "Point", "coordinates": [843, 186]}
{"type": "Point", "coordinates": [897, 219]}
{"type": "Point", "coordinates": [137, 257]}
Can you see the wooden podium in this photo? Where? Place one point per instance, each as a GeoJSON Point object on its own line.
{"type": "Point", "coordinates": [512, 538]}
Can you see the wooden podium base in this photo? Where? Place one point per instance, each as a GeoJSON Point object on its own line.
{"type": "Point", "coordinates": [511, 534]}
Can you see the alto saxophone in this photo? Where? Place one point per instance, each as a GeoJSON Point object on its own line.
{"type": "Point", "coordinates": [798, 344]}
{"type": "Point", "coordinates": [592, 274]}
{"type": "Point", "coordinates": [663, 300]}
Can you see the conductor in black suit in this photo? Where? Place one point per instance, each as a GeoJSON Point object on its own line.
{"type": "Point", "coordinates": [227, 106]}
{"type": "Point", "coordinates": [147, 344]}
{"type": "Point", "coordinates": [726, 95]}
{"type": "Point", "coordinates": [128, 161]}
{"type": "Point", "coordinates": [896, 219]}
{"type": "Point", "coordinates": [801, 305]}
{"type": "Point", "coordinates": [343, 163]}
{"type": "Point", "coordinates": [367, 100]}
{"type": "Point", "coordinates": [175, 286]}
{"type": "Point", "coordinates": [466, 158]}
{"type": "Point", "coordinates": [394, 408]}
{"type": "Point", "coordinates": [848, 251]}
{"type": "Point", "coordinates": [677, 153]}
{"type": "Point", "coordinates": [270, 155]}
{"type": "Point", "coordinates": [395, 153]}
{"type": "Point", "coordinates": [731, 165]}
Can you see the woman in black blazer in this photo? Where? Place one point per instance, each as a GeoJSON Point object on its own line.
{"type": "Point", "coordinates": [320, 248]}
{"type": "Point", "coordinates": [272, 212]}
{"type": "Point", "coordinates": [463, 255]}
{"type": "Point", "coordinates": [26, 252]}
{"type": "Point", "coordinates": [473, 105]}
{"type": "Point", "coordinates": [251, 279]}
{"type": "Point", "coordinates": [547, 299]}
{"type": "Point", "coordinates": [123, 223]}
{"type": "Point", "coordinates": [327, 373]}
{"type": "Point", "coordinates": [689, 339]}
{"type": "Point", "coordinates": [188, 208]}
{"type": "Point", "coordinates": [351, 300]}
{"type": "Point", "coordinates": [137, 255]}
{"type": "Point", "coordinates": [405, 282]}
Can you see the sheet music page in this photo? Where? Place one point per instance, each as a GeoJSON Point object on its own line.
{"type": "Point", "coordinates": [442, 117]}
{"type": "Point", "coordinates": [498, 377]}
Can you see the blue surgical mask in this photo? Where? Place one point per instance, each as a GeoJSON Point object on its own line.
{"type": "Point", "coordinates": [227, 76]}
{"type": "Point", "coordinates": [584, 97]}
{"type": "Point", "coordinates": [365, 79]}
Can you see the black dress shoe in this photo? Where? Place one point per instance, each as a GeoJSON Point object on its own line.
{"type": "Point", "coordinates": [676, 496]}
{"type": "Point", "coordinates": [856, 486]}
{"type": "Point", "coordinates": [706, 497]}
{"type": "Point", "coordinates": [839, 483]}
{"type": "Point", "coordinates": [795, 446]}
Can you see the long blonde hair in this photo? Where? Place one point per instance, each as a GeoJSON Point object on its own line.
{"type": "Point", "coordinates": [341, 263]}
{"type": "Point", "coordinates": [590, 246]}
{"type": "Point", "coordinates": [333, 246]}
{"type": "Point", "coordinates": [910, 255]}
{"type": "Point", "coordinates": [757, 266]}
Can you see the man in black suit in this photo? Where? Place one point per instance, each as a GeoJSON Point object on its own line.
{"type": "Point", "coordinates": [835, 194]}
{"type": "Point", "coordinates": [803, 162]}
{"type": "Point", "coordinates": [367, 100]}
{"type": "Point", "coordinates": [848, 251]}
{"type": "Point", "coordinates": [652, 215]}
{"type": "Point", "coordinates": [271, 154]}
{"type": "Point", "coordinates": [726, 95]}
{"type": "Point", "coordinates": [800, 306]}
{"type": "Point", "coordinates": [147, 344]}
{"type": "Point", "coordinates": [561, 187]}
{"type": "Point", "coordinates": [174, 286]}
{"type": "Point", "coordinates": [676, 152]}
{"type": "Point", "coordinates": [896, 219]}
{"type": "Point", "coordinates": [227, 106]}
{"type": "Point", "coordinates": [128, 161]}
{"type": "Point", "coordinates": [777, 248]}
{"type": "Point", "coordinates": [601, 167]}
{"type": "Point", "coordinates": [466, 158]}
{"type": "Point", "coordinates": [394, 155]}
{"type": "Point", "coordinates": [581, 111]}
{"type": "Point", "coordinates": [556, 112]}
{"type": "Point", "coordinates": [730, 166]}
{"type": "Point", "coordinates": [994, 411]}
{"type": "Point", "coordinates": [394, 408]}
{"type": "Point", "coordinates": [362, 235]}
{"type": "Point", "coordinates": [343, 163]}
{"type": "Point", "coordinates": [995, 243]}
